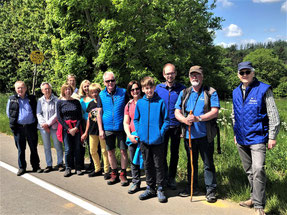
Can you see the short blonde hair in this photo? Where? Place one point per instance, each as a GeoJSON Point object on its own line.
{"type": "Point", "coordinates": [147, 81]}
{"type": "Point", "coordinates": [81, 91]}
{"type": "Point", "coordinates": [64, 87]}
{"type": "Point", "coordinates": [71, 76]}
{"type": "Point", "coordinates": [95, 86]}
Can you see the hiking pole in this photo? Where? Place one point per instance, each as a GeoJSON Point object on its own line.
{"type": "Point", "coordinates": [191, 160]}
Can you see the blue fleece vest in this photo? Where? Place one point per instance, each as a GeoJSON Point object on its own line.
{"type": "Point", "coordinates": [251, 121]}
{"type": "Point", "coordinates": [113, 109]}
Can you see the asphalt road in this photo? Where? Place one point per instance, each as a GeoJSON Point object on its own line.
{"type": "Point", "coordinates": [51, 193]}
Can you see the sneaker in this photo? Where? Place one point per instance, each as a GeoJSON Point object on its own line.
{"type": "Point", "coordinates": [114, 178]}
{"type": "Point", "coordinates": [60, 168]}
{"type": "Point", "coordinates": [37, 170]}
{"type": "Point", "coordinates": [171, 183]}
{"type": "Point", "coordinates": [21, 172]}
{"type": "Point", "coordinates": [68, 172]}
{"type": "Point", "coordinates": [160, 195]}
{"type": "Point", "coordinates": [259, 211]}
{"type": "Point", "coordinates": [79, 172]}
{"type": "Point", "coordinates": [211, 198]}
{"type": "Point", "coordinates": [94, 174]}
{"type": "Point", "coordinates": [134, 188]}
{"type": "Point", "coordinates": [248, 203]}
{"type": "Point", "coordinates": [48, 169]}
{"type": "Point", "coordinates": [184, 193]}
{"type": "Point", "coordinates": [123, 178]}
{"type": "Point", "coordinates": [107, 176]}
{"type": "Point", "coordinates": [147, 194]}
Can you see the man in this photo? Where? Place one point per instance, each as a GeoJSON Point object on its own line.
{"type": "Point", "coordinates": [111, 104]}
{"type": "Point", "coordinates": [71, 79]}
{"type": "Point", "coordinates": [169, 92]}
{"type": "Point", "coordinates": [256, 122]}
{"type": "Point", "coordinates": [21, 111]}
{"type": "Point", "coordinates": [204, 103]}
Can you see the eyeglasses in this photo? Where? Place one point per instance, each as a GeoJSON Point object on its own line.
{"type": "Point", "coordinates": [135, 89]}
{"type": "Point", "coordinates": [194, 74]}
{"type": "Point", "coordinates": [243, 73]}
{"type": "Point", "coordinates": [110, 81]}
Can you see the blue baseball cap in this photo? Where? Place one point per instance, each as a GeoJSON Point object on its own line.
{"type": "Point", "coordinates": [245, 65]}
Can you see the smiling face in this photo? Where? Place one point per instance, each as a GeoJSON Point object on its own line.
{"type": "Point", "coordinates": [110, 82]}
{"type": "Point", "coordinates": [20, 89]}
{"type": "Point", "coordinates": [86, 88]}
{"type": "Point", "coordinates": [149, 91]}
{"type": "Point", "coordinates": [46, 90]}
{"type": "Point", "coordinates": [135, 91]}
{"type": "Point", "coordinates": [68, 93]}
{"type": "Point", "coordinates": [72, 81]}
{"type": "Point", "coordinates": [94, 93]}
{"type": "Point", "coordinates": [246, 76]}
{"type": "Point", "coordinates": [169, 74]}
{"type": "Point", "coordinates": [196, 79]}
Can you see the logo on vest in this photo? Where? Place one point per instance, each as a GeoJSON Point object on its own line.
{"type": "Point", "coordinates": [252, 101]}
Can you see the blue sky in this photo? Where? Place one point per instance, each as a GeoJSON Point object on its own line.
{"type": "Point", "coordinates": [251, 21]}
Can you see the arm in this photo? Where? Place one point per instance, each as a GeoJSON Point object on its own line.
{"type": "Point", "coordinates": [60, 116]}
{"type": "Point", "coordinates": [85, 134]}
{"type": "Point", "coordinates": [213, 113]}
{"type": "Point", "coordinates": [7, 108]}
{"type": "Point", "coordinates": [40, 117]}
{"type": "Point", "coordinates": [100, 123]}
{"type": "Point", "coordinates": [165, 124]}
{"type": "Point", "coordinates": [53, 119]}
{"type": "Point", "coordinates": [233, 122]}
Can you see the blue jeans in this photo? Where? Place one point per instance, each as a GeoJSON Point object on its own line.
{"type": "Point", "coordinates": [135, 169]}
{"type": "Point", "coordinates": [21, 135]}
{"type": "Point", "coordinates": [73, 150]}
{"type": "Point", "coordinates": [47, 146]}
{"type": "Point", "coordinates": [206, 149]}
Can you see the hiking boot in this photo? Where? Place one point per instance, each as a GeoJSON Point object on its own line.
{"type": "Point", "coordinates": [48, 169]}
{"type": "Point", "coordinates": [259, 211]}
{"type": "Point", "coordinates": [114, 178]}
{"type": "Point", "coordinates": [147, 194]}
{"type": "Point", "coordinates": [21, 172]}
{"type": "Point", "coordinates": [160, 195]}
{"type": "Point", "coordinates": [107, 176]}
{"type": "Point", "coordinates": [211, 198]}
{"type": "Point", "coordinates": [68, 172]}
{"type": "Point", "coordinates": [134, 188]}
{"type": "Point", "coordinates": [123, 178]}
{"type": "Point", "coordinates": [94, 174]}
{"type": "Point", "coordinates": [248, 203]}
{"type": "Point", "coordinates": [171, 183]}
{"type": "Point", "coordinates": [60, 168]}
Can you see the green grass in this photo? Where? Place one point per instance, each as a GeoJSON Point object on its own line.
{"type": "Point", "coordinates": [231, 179]}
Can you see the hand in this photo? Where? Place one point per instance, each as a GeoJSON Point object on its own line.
{"type": "Point", "coordinates": [83, 137]}
{"type": "Point", "coordinates": [73, 131]}
{"type": "Point", "coordinates": [190, 119]}
{"type": "Point", "coordinates": [133, 139]}
{"type": "Point", "coordinates": [102, 134]}
{"type": "Point", "coordinates": [235, 141]}
{"type": "Point", "coordinates": [45, 126]}
{"type": "Point", "coordinates": [271, 144]}
{"type": "Point", "coordinates": [47, 130]}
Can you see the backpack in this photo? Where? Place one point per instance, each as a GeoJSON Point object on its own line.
{"type": "Point", "coordinates": [212, 128]}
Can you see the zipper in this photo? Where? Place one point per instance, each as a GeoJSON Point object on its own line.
{"type": "Point", "coordinates": [168, 104]}
{"type": "Point", "coordinates": [148, 121]}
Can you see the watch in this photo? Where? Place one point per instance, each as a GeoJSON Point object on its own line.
{"type": "Point", "coordinates": [199, 119]}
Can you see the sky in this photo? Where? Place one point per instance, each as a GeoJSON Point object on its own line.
{"type": "Point", "coordinates": [251, 21]}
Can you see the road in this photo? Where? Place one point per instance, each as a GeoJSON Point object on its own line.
{"type": "Point", "coordinates": [51, 193]}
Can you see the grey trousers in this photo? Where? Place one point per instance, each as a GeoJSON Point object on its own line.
{"type": "Point", "coordinates": [253, 161]}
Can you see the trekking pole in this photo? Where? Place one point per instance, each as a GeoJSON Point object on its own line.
{"type": "Point", "coordinates": [191, 160]}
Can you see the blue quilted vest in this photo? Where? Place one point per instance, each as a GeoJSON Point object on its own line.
{"type": "Point", "coordinates": [251, 121]}
{"type": "Point", "coordinates": [113, 109]}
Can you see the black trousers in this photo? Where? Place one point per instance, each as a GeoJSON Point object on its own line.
{"type": "Point", "coordinates": [153, 156]}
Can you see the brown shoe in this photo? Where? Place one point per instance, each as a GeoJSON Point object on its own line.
{"type": "Point", "coordinates": [259, 211]}
{"type": "Point", "coordinates": [123, 179]}
{"type": "Point", "coordinates": [114, 178]}
{"type": "Point", "coordinates": [248, 203]}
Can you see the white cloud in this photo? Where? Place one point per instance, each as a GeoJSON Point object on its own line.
{"type": "Point", "coordinates": [225, 45]}
{"type": "Point", "coordinates": [233, 31]}
{"type": "Point", "coordinates": [284, 7]}
{"type": "Point", "coordinates": [225, 3]}
{"type": "Point", "coordinates": [270, 39]}
{"type": "Point", "coordinates": [248, 41]}
{"type": "Point", "coordinates": [265, 1]}
{"type": "Point", "coordinates": [272, 30]}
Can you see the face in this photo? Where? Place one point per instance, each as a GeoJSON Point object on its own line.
{"type": "Point", "coordinates": [135, 91]}
{"type": "Point", "coordinates": [110, 82]}
{"type": "Point", "coordinates": [149, 91]}
{"type": "Point", "coordinates": [169, 74]}
{"type": "Point", "coordinates": [244, 77]}
{"type": "Point", "coordinates": [47, 91]}
{"type": "Point", "coordinates": [68, 92]}
{"type": "Point", "coordinates": [195, 79]}
{"type": "Point", "coordinates": [21, 89]}
{"type": "Point", "coordinates": [86, 88]}
{"type": "Point", "coordinates": [72, 81]}
{"type": "Point", "coordinates": [94, 93]}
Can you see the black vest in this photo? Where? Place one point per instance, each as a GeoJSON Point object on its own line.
{"type": "Point", "coordinates": [14, 109]}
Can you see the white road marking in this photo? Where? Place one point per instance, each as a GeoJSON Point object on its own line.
{"type": "Point", "coordinates": [64, 194]}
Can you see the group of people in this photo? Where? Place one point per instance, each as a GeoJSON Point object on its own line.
{"type": "Point", "coordinates": [146, 119]}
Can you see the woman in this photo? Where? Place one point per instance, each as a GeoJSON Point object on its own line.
{"type": "Point", "coordinates": [69, 114]}
{"type": "Point", "coordinates": [47, 124]}
{"type": "Point", "coordinates": [134, 92]}
{"type": "Point", "coordinates": [85, 100]}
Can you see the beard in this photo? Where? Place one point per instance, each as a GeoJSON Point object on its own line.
{"type": "Point", "coordinates": [195, 83]}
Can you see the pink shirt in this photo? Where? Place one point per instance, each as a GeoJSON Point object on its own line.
{"type": "Point", "coordinates": [130, 111]}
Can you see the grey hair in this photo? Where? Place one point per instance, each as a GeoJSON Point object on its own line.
{"type": "Point", "coordinates": [42, 85]}
{"type": "Point", "coordinates": [106, 73]}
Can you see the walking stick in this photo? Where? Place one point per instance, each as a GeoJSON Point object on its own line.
{"type": "Point", "coordinates": [191, 160]}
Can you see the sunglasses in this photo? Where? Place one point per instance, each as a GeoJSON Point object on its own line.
{"type": "Point", "coordinates": [246, 72]}
{"type": "Point", "coordinates": [110, 81]}
{"type": "Point", "coordinates": [135, 89]}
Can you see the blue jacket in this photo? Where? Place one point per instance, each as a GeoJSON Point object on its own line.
{"type": "Point", "coordinates": [151, 120]}
{"type": "Point", "coordinates": [170, 98]}
{"type": "Point", "coordinates": [251, 120]}
{"type": "Point", "coordinates": [113, 109]}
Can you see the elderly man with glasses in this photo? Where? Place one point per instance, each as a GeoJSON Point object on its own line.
{"type": "Point", "coordinates": [256, 123]}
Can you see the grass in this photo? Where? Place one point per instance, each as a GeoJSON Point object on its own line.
{"type": "Point", "coordinates": [231, 179]}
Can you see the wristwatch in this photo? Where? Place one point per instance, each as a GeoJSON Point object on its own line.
{"type": "Point", "coordinates": [199, 119]}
